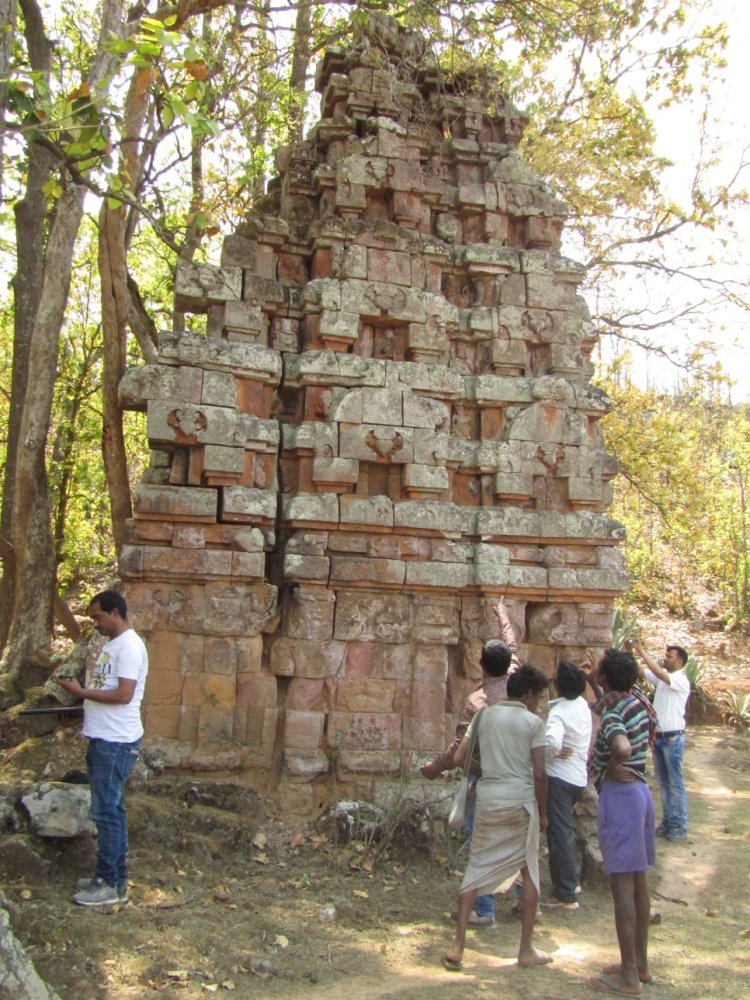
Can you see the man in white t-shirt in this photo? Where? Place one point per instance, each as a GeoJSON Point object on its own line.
{"type": "Point", "coordinates": [671, 692]}
{"type": "Point", "coordinates": [568, 737]}
{"type": "Point", "coordinates": [112, 724]}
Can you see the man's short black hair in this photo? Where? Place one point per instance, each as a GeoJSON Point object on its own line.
{"type": "Point", "coordinates": [620, 669]}
{"type": "Point", "coordinates": [569, 680]}
{"type": "Point", "coordinates": [495, 658]}
{"type": "Point", "coordinates": [526, 680]}
{"type": "Point", "coordinates": [110, 600]}
{"type": "Point", "coordinates": [682, 653]}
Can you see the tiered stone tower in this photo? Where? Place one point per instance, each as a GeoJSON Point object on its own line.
{"type": "Point", "coordinates": [387, 425]}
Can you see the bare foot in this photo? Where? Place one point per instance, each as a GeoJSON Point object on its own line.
{"type": "Point", "coordinates": [532, 957]}
{"type": "Point", "coordinates": [614, 985]}
{"type": "Point", "coordinates": [615, 970]}
{"type": "Point", "coordinates": [449, 961]}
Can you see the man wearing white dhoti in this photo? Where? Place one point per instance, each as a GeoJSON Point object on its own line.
{"type": "Point", "coordinates": [510, 808]}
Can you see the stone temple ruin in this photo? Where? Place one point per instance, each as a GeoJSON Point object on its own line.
{"type": "Point", "coordinates": [387, 426]}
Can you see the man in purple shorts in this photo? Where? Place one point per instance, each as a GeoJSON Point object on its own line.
{"type": "Point", "coordinates": [626, 815]}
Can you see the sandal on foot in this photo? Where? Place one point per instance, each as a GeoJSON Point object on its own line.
{"type": "Point", "coordinates": [451, 964]}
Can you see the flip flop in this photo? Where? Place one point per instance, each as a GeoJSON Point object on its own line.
{"type": "Point", "coordinates": [451, 964]}
{"type": "Point", "coordinates": [605, 984]}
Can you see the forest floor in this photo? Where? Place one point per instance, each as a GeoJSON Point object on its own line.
{"type": "Point", "coordinates": [266, 906]}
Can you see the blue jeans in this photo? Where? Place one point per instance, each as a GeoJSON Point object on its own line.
{"type": "Point", "coordinates": [561, 797]}
{"type": "Point", "coordinates": [668, 753]}
{"type": "Point", "coordinates": [485, 905]}
{"type": "Point", "coordinates": [109, 766]}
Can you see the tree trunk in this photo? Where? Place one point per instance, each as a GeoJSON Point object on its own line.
{"type": "Point", "coordinates": [300, 67]}
{"type": "Point", "coordinates": [30, 220]}
{"type": "Point", "coordinates": [29, 630]}
{"type": "Point", "coordinates": [7, 36]}
{"type": "Point", "coordinates": [118, 307]}
{"type": "Point", "coordinates": [113, 272]}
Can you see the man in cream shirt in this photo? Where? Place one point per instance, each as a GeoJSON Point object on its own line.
{"type": "Point", "coordinates": [671, 692]}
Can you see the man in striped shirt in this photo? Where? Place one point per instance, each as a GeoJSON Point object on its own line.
{"type": "Point", "coordinates": [626, 815]}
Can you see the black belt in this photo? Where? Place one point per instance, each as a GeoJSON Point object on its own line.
{"type": "Point", "coordinates": [672, 732]}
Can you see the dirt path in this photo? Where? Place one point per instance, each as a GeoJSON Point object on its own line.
{"type": "Point", "coordinates": [700, 889]}
{"type": "Point", "coordinates": [253, 922]}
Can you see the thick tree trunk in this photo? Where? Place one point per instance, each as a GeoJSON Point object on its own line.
{"type": "Point", "coordinates": [30, 220]}
{"type": "Point", "coordinates": [29, 636]}
{"type": "Point", "coordinates": [29, 630]}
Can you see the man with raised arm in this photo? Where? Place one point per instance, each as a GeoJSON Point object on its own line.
{"type": "Point", "coordinates": [671, 692]}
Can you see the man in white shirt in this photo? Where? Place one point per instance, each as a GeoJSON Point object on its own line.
{"type": "Point", "coordinates": [112, 724]}
{"type": "Point", "coordinates": [568, 737]}
{"type": "Point", "coordinates": [671, 692]}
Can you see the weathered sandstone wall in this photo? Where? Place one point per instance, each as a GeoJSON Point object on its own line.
{"type": "Point", "coordinates": [387, 425]}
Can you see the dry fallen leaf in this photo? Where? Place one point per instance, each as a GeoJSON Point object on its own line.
{"type": "Point", "coordinates": [221, 893]}
{"type": "Point", "coordinates": [260, 840]}
{"type": "Point", "coordinates": [228, 984]}
{"type": "Point", "coordinates": [25, 894]}
{"type": "Point", "coordinates": [210, 987]}
{"type": "Point", "coordinates": [281, 941]}
{"type": "Point", "coordinates": [711, 913]}
{"type": "Point", "coordinates": [261, 859]}
{"type": "Point", "coordinates": [399, 870]}
{"type": "Point", "coordinates": [360, 894]}
{"type": "Point", "coordinates": [745, 933]}
{"type": "Point", "coordinates": [297, 839]}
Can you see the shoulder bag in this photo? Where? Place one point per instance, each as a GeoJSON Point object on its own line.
{"type": "Point", "coordinates": [462, 804]}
